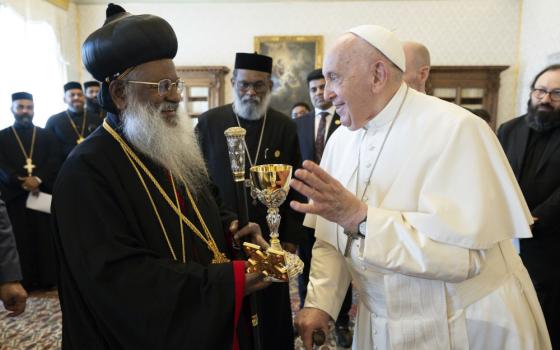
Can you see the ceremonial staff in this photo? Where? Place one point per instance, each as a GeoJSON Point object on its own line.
{"type": "Point", "coordinates": [235, 137]}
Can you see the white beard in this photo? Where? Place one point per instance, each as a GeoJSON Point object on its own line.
{"type": "Point", "coordinates": [171, 144]}
{"type": "Point", "coordinates": [251, 110]}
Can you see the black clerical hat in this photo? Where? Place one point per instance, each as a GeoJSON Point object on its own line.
{"type": "Point", "coordinates": [253, 61]}
{"type": "Point", "coordinates": [22, 96]}
{"type": "Point", "coordinates": [315, 74]}
{"type": "Point", "coordinates": [72, 85]}
{"type": "Point", "coordinates": [91, 83]}
{"type": "Point", "coordinates": [125, 41]}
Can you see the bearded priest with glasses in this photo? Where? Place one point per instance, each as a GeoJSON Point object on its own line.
{"type": "Point", "coordinates": [271, 139]}
{"type": "Point", "coordinates": [141, 237]}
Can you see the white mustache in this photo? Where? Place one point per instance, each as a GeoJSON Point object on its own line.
{"type": "Point", "coordinates": [246, 99]}
{"type": "Point", "coordinates": [169, 106]}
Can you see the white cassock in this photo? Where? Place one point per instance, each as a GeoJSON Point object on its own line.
{"type": "Point", "coordinates": [437, 269]}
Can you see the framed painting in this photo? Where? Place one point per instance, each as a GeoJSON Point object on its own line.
{"type": "Point", "coordinates": [293, 58]}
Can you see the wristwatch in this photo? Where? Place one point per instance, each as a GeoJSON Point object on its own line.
{"type": "Point", "coordinates": [362, 228]}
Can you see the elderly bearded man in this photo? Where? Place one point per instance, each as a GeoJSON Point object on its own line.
{"type": "Point", "coordinates": [271, 139]}
{"type": "Point", "coordinates": [415, 202]}
{"type": "Point", "coordinates": [140, 239]}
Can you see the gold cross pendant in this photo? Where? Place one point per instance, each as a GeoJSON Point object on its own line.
{"type": "Point", "coordinates": [79, 140]}
{"type": "Point", "coordinates": [29, 166]}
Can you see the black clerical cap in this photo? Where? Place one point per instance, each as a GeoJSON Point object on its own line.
{"type": "Point", "coordinates": [91, 83]}
{"type": "Point", "coordinates": [125, 41]}
{"type": "Point", "coordinates": [315, 74]}
{"type": "Point", "coordinates": [22, 96]}
{"type": "Point", "coordinates": [72, 85]}
{"type": "Point", "coordinates": [253, 61]}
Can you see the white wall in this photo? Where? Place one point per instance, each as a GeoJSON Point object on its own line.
{"type": "Point", "coordinates": [540, 37]}
{"type": "Point", "coordinates": [457, 32]}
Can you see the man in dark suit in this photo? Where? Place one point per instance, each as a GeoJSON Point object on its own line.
{"type": "Point", "coordinates": [532, 145]}
{"type": "Point", "coordinates": [314, 129]}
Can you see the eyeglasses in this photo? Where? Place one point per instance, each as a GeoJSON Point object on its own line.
{"type": "Point", "coordinates": [164, 86]}
{"type": "Point", "coordinates": [258, 86]}
{"type": "Point", "coordinates": [541, 93]}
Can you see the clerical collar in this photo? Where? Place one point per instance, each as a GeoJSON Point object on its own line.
{"type": "Point", "coordinates": [389, 111]}
{"type": "Point", "coordinates": [19, 125]}
{"type": "Point", "coordinates": [329, 110]}
{"type": "Point", "coordinates": [74, 114]}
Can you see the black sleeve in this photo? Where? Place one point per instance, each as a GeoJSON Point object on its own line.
{"type": "Point", "coordinates": [108, 274]}
{"type": "Point", "coordinates": [548, 214]}
{"type": "Point", "coordinates": [291, 226]}
{"type": "Point", "coordinates": [9, 260]}
{"type": "Point", "coordinates": [47, 173]}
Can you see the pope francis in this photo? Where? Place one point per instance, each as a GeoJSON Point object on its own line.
{"type": "Point", "coordinates": [415, 203]}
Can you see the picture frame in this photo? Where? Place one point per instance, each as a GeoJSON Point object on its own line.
{"type": "Point", "coordinates": [293, 58]}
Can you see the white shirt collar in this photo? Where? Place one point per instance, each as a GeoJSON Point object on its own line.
{"type": "Point", "coordinates": [389, 111]}
{"type": "Point", "coordinates": [330, 110]}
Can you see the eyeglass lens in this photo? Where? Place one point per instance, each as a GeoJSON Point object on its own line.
{"type": "Point", "coordinates": [541, 93]}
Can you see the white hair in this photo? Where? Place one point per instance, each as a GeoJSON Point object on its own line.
{"type": "Point", "coordinates": [172, 144]}
{"type": "Point", "coordinates": [251, 107]}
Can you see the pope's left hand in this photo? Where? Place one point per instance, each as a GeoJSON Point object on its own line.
{"type": "Point", "coordinates": [328, 198]}
{"type": "Point", "coordinates": [252, 231]}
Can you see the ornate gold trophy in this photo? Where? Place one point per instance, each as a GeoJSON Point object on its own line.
{"type": "Point", "coordinates": [269, 183]}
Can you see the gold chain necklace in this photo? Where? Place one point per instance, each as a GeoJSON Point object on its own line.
{"type": "Point", "coordinates": [80, 134]}
{"type": "Point", "coordinates": [219, 257]}
{"type": "Point", "coordinates": [29, 166]}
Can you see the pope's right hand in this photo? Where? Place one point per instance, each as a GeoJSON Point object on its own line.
{"type": "Point", "coordinates": [308, 320]}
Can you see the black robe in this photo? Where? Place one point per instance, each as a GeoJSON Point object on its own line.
{"type": "Point", "coordinates": [31, 228]}
{"type": "Point", "coordinates": [279, 146]}
{"type": "Point", "coordinates": [61, 127]}
{"type": "Point", "coordinates": [94, 108]}
{"type": "Point", "coordinates": [119, 287]}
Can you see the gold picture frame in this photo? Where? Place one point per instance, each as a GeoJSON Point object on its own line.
{"type": "Point", "coordinates": [293, 58]}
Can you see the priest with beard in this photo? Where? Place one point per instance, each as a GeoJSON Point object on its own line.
{"type": "Point", "coordinates": [141, 237]}
{"type": "Point", "coordinates": [271, 139]}
{"type": "Point", "coordinates": [74, 124]}
{"type": "Point", "coordinates": [92, 104]}
{"type": "Point", "coordinates": [29, 162]}
{"type": "Point", "coordinates": [532, 145]}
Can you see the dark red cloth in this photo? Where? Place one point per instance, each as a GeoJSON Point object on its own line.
{"type": "Point", "coordinates": [239, 278]}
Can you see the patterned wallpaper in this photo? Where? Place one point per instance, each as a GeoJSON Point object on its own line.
{"type": "Point", "coordinates": [457, 32]}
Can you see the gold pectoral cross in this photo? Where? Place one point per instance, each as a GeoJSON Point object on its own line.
{"type": "Point", "coordinates": [79, 140]}
{"type": "Point", "coordinates": [29, 166]}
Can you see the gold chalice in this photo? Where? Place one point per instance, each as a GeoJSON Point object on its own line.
{"type": "Point", "coordinates": [270, 184]}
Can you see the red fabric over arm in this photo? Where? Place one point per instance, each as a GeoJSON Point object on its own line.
{"type": "Point", "coordinates": [239, 280]}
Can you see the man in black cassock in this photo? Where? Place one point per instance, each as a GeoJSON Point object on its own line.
{"type": "Point", "coordinates": [271, 139]}
{"type": "Point", "coordinates": [91, 90]}
{"type": "Point", "coordinates": [141, 238]}
{"type": "Point", "coordinates": [29, 162]}
{"type": "Point", "coordinates": [74, 124]}
{"type": "Point", "coordinates": [532, 145]}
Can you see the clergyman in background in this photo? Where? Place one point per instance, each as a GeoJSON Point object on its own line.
{"type": "Point", "coordinates": [271, 139]}
{"type": "Point", "coordinates": [532, 144]}
{"type": "Point", "coordinates": [74, 124]}
{"type": "Point", "coordinates": [29, 162]}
